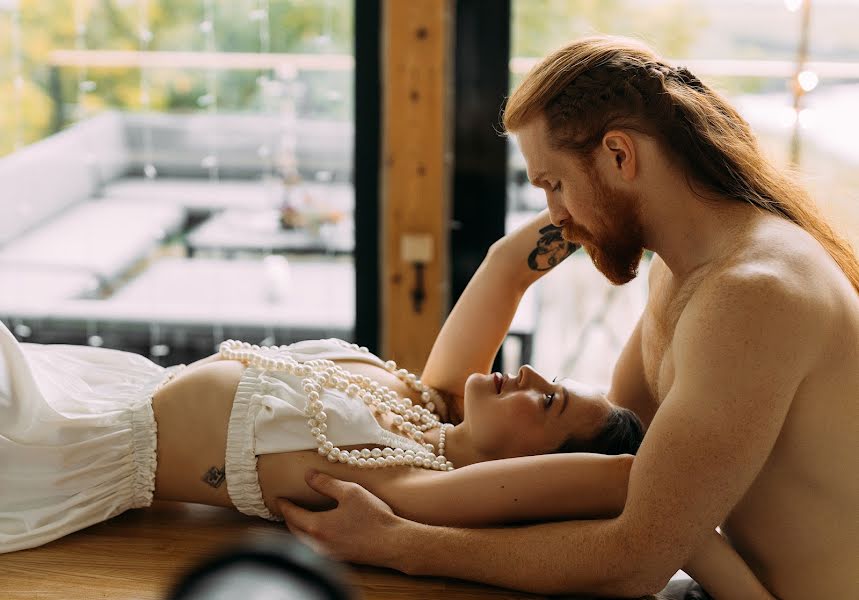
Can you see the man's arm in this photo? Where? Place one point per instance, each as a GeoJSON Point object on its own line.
{"type": "Point", "coordinates": [475, 328]}
{"type": "Point", "coordinates": [723, 573]}
{"type": "Point", "coordinates": [741, 349]}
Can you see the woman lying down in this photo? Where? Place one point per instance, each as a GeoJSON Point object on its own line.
{"type": "Point", "coordinates": [87, 433]}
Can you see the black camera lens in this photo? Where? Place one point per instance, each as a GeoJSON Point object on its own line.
{"type": "Point", "coordinates": [270, 567]}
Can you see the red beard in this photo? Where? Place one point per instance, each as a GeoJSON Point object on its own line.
{"type": "Point", "coordinates": [617, 247]}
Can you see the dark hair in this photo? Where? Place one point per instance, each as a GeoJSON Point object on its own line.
{"type": "Point", "coordinates": [621, 434]}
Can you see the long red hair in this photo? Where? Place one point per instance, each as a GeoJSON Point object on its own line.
{"type": "Point", "coordinates": [596, 84]}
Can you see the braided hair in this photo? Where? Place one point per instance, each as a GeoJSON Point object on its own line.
{"type": "Point", "coordinates": [594, 85]}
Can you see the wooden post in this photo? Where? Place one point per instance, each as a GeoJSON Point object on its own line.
{"type": "Point", "coordinates": [415, 184]}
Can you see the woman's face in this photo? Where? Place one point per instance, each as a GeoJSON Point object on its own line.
{"type": "Point", "coordinates": [526, 414]}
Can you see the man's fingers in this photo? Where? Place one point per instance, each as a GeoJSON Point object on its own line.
{"type": "Point", "coordinates": [308, 540]}
{"type": "Point", "coordinates": [295, 516]}
{"type": "Point", "coordinates": [327, 485]}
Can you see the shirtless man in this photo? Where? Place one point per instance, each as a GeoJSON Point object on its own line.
{"type": "Point", "coordinates": [744, 365]}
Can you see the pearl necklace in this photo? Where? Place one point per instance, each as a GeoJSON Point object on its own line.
{"type": "Point", "coordinates": [411, 419]}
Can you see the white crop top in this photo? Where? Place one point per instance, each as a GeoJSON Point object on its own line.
{"type": "Point", "coordinates": [268, 416]}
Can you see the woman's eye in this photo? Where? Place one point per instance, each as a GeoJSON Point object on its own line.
{"type": "Point", "coordinates": [549, 399]}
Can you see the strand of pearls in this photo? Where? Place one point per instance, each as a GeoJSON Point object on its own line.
{"type": "Point", "coordinates": [411, 419]}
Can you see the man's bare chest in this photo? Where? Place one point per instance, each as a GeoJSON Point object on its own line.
{"type": "Point", "coordinates": [664, 308]}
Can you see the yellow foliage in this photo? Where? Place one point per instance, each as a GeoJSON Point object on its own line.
{"type": "Point", "coordinates": [25, 117]}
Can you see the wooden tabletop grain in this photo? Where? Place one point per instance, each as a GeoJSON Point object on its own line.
{"type": "Point", "coordinates": [140, 554]}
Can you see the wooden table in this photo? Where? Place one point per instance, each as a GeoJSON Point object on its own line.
{"type": "Point", "coordinates": [141, 553]}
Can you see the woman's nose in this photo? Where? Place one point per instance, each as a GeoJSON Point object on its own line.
{"type": "Point", "coordinates": [526, 374]}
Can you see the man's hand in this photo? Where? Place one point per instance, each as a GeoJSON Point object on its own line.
{"type": "Point", "coordinates": [362, 529]}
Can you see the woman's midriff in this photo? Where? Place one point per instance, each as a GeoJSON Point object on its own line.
{"type": "Point", "coordinates": [192, 413]}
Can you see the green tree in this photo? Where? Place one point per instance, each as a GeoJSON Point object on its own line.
{"type": "Point", "coordinates": [295, 26]}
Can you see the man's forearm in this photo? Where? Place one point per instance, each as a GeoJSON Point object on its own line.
{"type": "Point", "coordinates": [579, 557]}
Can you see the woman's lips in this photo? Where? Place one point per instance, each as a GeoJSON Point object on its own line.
{"type": "Point", "coordinates": [500, 380]}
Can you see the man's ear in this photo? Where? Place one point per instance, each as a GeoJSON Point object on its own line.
{"type": "Point", "coordinates": [620, 152]}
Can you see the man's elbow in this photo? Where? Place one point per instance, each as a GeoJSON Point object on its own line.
{"type": "Point", "coordinates": [642, 584]}
{"type": "Point", "coordinates": [636, 570]}
{"type": "Point", "coordinates": [646, 576]}
{"type": "Point", "coordinates": [625, 584]}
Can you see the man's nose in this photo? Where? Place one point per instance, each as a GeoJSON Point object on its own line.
{"type": "Point", "coordinates": [557, 213]}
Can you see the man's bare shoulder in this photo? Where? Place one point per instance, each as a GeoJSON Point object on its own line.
{"type": "Point", "coordinates": [780, 278]}
{"type": "Point", "coordinates": [782, 261]}
{"type": "Point", "coordinates": [793, 254]}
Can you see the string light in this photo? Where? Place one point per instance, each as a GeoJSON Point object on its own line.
{"type": "Point", "coordinates": [144, 35]}
{"type": "Point", "coordinates": [209, 103]}
{"type": "Point", "coordinates": [265, 86]}
{"type": "Point", "coordinates": [84, 85]}
{"type": "Point", "coordinates": [325, 38]}
{"type": "Point", "coordinates": [807, 118]}
{"type": "Point", "coordinates": [209, 100]}
{"type": "Point", "coordinates": [803, 79]}
{"type": "Point", "coordinates": [17, 76]}
{"type": "Point", "coordinates": [807, 80]}
{"type": "Point", "coordinates": [261, 16]}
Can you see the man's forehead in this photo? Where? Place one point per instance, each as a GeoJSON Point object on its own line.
{"type": "Point", "coordinates": [531, 140]}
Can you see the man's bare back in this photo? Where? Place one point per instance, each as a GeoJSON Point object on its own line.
{"type": "Point", "coordinates": [790, 525]}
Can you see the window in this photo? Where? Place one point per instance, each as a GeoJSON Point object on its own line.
{"type": "Point", "coordinates": [179, 172]}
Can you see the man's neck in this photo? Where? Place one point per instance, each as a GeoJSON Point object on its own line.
{"type": "Point", "coordinates": [689, 232]}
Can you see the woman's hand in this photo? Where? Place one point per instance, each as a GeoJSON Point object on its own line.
{"type": "Point", "coordinates": [477, 325]}
{"type": "Point", "coordinates": [362, 529]}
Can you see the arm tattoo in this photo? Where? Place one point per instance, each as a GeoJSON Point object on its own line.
{"type": "Point", "coordinates": [551, 250]}
{"type": "Point", "coordinates": [214, 476]}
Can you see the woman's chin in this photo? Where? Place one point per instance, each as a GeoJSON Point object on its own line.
{"type": "Point", "coordinates": [477, 386]}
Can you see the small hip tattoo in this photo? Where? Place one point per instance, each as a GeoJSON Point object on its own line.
{"type": "Point", "coordinates": [214, 476]}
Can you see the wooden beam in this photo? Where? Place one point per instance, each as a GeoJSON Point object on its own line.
{"type": "Point", "coordinates": [415, 175]}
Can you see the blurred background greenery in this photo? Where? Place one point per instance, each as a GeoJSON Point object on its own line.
{"type": "Point", "coordinates": [39, 97]}
{"type": "Point", "coordinates": [49, 93]}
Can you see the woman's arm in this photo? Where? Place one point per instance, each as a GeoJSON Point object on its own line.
{"type": "Point", "coordinates": [531, 488]}
{"type": "Point", "coordinates": [475, 328]}
{"type": "Point", "coordinates": [717, 567]}
{"type": "Point", "coordinates": [513, 490]}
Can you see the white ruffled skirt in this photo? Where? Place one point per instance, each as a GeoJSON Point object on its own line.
{"type": "Point", "coordinates": [77, 438]}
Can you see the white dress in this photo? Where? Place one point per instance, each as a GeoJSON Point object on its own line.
{"type": "Point", "coordinates": [78, 435]}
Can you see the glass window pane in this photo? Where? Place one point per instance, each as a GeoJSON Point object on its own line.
{"type": "Point", "coordinates": [192, 179]}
